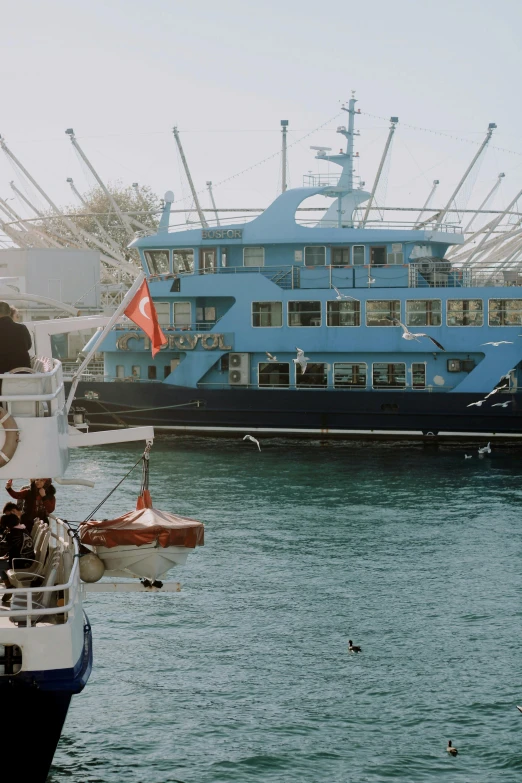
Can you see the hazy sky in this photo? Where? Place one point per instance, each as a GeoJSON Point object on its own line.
{"type": "Point", "coordinates": [122, 73]}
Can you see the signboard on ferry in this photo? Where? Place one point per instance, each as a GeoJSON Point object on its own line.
{"type": "Point", "coordinates": [222, 233]}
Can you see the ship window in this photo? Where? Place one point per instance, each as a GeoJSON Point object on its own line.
{"type": "Point", "coordinates": [505, 312]}
{"type": "Point", "coordinates": [120, 371]}
{"type": "Point", "coordinates": [315, 256]}
{"type": "Point", "coordinates": [304, 313]}
{"type": "Point", "coordinates": [183, 261]}
{"type": "Point", "coordinates": [465, 312]}
{"type": "Point", "coordinates": [382, 312]}
{"type": "Point", "coordinates": [157, 261]}
{"type": "Point", "coordinates": [136, 371]}
{"type": "Point", "coordinates": [166, 371]}
{"type": "Point", "coordinates": [391, 376]}
{"type": "Point", "coordinates": [395, 257]}
{"type": "Point", "coordinates": [316, 375]}
{"type": "Point", "coordinates": [378, 255]}
{"type": "Point", "coordinates": [358, 255]}
{"type": "Point", "coordinates": [348, 375]}
{"type": "Point", "coordinates": [205, 316]}
{"type": "Point", "coordinates": [174, 363]}
{"type": "Point", "coordinates": [254, 256]}
{"type": "Point", "coordinates": [151, 372]}
{"type": "Point", "coordinates": [181, 314]}
{"type": "Point", "coordinates": [274, 374]}
{"type": "Point", "coordinates": [340, 256]}
{"type": "Point", "coordinates": [163, 311]}
{"type": "Point", "coordinates": [267, 313]}
{"type": "Point", "coordinates": [343, 313]}
{"type": "Point", "coordinates": [418, 375]}
{"type": "Point", "coordinates": [423, 312]}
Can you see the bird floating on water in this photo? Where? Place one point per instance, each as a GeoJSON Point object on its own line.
{"type": "Point", "coordinates": [254, 440]}
{"type": "Point", "coordinates": [301, 359]}
{"type": "Point", "coordinates": [271, 357]}
{"type": "Point", "coordinates": [407, 335]}
{"type": "Point", "coordinates": [353, 647]}
{"type": "Point", "coordinates": [500, 342]}
{"type": "Point", "coordinates": [451, 750]}
{"type": "Point", "coordinates": [485, 449]}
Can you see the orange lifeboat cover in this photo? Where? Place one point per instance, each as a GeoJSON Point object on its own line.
{"type": "Point", "coordinates": [144, 526]}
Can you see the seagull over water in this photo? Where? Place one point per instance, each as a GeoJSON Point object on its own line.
{"type": "Point", "coordinates": [485, 449]}
{"type": "Point", "coordinates": [478, 404]}
{"type": "Point", "coordinates": [407, 335]}
{"type": "Point", "coordinates": [301, 359]}
{"type": "Point", "coordinates": [343, 296]}
{"type": "Point", "coordinates": [502, 404]}
{"type": "Point", "coordinates": [254, 440]}
{"type": "Point", "coordinates": [271, 358]}
{"type": "Point", "coordinates": [500, 342]}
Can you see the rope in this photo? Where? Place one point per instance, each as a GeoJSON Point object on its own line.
{"type": "Point", "coordinates": [93, 512]}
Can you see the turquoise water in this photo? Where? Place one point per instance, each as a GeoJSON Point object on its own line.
{"type": "Point", "coordinates": [413, 553]}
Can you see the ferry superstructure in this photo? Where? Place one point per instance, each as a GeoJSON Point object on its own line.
{"type": "Point", "coordinates": [236, 302]}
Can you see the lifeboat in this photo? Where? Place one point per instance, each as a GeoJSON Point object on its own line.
{"type": "Point", "coordinates": [144, 543]}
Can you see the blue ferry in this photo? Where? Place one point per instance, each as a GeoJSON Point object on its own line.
{"type": "Point", "coordinates": [333, 329]}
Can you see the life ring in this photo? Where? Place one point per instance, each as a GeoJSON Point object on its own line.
{"type": "Point", "coordinates": [11, 437]}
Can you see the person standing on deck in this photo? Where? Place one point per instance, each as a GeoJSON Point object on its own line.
{"type": "Point", "coordinates": [38, 500]}
{"type": "Point", "coordinates": [15, 341]}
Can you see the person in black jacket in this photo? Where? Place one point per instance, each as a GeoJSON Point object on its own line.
{"type": "Point", "coordinates": [15, 341]}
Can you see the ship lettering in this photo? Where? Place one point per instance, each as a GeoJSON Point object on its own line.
{"type": "Point", "coordinates": [223, 233]}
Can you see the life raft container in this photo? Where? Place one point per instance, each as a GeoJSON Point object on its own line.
{"type": "Point", "coordinates": [11, 437]}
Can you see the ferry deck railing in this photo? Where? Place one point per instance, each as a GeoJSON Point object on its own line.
{"type": "Point", "coordinates": [49, 389]}
{"type": "Point", "coordinates": [70, 588]}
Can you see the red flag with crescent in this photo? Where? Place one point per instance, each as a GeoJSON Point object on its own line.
{"type": "Point", "coordinates": [141, 310]}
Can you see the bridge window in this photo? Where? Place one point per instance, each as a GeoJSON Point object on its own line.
{"type": "Point", "coordinates": [418, 375]}
{"type": "Point", "coordinates": [350, 375]}
{"type": "Point", "coordinates": [274, 374]}
{"type": "Point", "coordinates": [465, 312]}
{"type": "Point", "coordinates": [315, 256]}
{"type": "Point", "coordinates": [382, 312]}
{"type": "Point", "coordinates": [151, 372]}
{"type": "Point", "coordinates": [340, 256]}
{"type": "Point", "coordinates": [157, 261]}
{"type": "Point", "coordinates": [254, 256]}
{"type": "Point", "coordinates": [378, 255]}
{"type": "Point", "coordinates": [389, 376]}
{"type": "Point", "coordinates": [343, 313]}
{"type": "Point", "coordinates": [505, 312]}
{"type": "Point", "coordinates": [120, 371]}
{"type": "Point", "coordinates": [181, 314]}
{"type": "Point", "coordinates": [423, 312]}
{"type": "Point", "coordinates": [183, 261]}
{"type": "Point", "coordinates": [267, 313]}
{"type": "Point", "coordinates": [304, 313]}
{"type": "Point", "coordinates": [136, 371]}
{"type": "Point", "coordinates": [359, 255]}
{"type": "Point", "coordinates": [163, 311]}
{"type": "Point", "coordinates": [396, 256]}
{"type": "Point", "coordinates": [316, 375]}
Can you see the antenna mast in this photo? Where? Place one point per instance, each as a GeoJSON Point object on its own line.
{"type": "Point", "coordinates": [209, 186]}
{"type": "Point", "coordinates": [427, 202]}
{"type": "Point", "coordinates": [394, 121]}
{"type": "Point", "coordinates": [284, 126]}
{"type": "Point", "coordinates": [202, 218]}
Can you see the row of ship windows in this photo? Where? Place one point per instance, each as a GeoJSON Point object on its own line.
{"type": "Point", "coordinates": [345, 374]}
{"type": "Point", "coordinates": [158, 261]}
{"type": "Point", "coordinates": [383, 312]}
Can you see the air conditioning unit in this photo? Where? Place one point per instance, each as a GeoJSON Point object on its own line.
{"type": "Point", "coordinates": [239, 369]}
{"type": "Point", "coordinates": [454, 365]}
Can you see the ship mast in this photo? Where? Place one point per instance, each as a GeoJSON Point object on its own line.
{"type": "Point", "coordinates": [209, 186]}
{"type": "Point", "coordinates": [202, 218]}
{"type": "Point", "coordinates": [394, 121]}
{"type": "Point", "coordinates": [284, 127]}
{"type": "Point", "coordinates": [427, 202]}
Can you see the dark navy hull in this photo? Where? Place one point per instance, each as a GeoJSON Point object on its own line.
{"type": "Point", "coordinates": [35, 705]}
{"type": "Point", "coordinates": [310, 413]}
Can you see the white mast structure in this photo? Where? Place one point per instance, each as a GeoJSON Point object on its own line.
{"type": "Point", "coordinates": [486, 200]}
{"type": "Point", "coordinates": [394, 121]}
{"type": "Point", "coordinates": [110, 241]}
{"type": "Point", "coordinates": [209, 186]}
{"type": "Point", "coordinates": [284, 128]}
{"type": "Point", "coordinates": [201, 215]}
{"type": "Point", "coordinates": [434, 187]}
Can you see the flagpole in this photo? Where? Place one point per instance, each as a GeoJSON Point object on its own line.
{"type": "Point", "coordinates": [112, 321]}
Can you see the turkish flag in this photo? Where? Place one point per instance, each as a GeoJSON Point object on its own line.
{"type": "Point", "coordinates": [141, 310]}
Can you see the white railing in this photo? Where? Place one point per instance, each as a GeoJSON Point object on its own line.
{"type": "Point", "coordinates": [50, 385]}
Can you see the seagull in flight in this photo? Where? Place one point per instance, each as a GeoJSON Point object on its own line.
{"type": "Point", "coordinates": [468, 456]}
{"type": "Point", "coordinates": [485, 449]}
{"type": "Point", "coordinates": [500, 342]}
{"type": "Point", "coordinates": [478, 404]}
{"type": "Point", "coordinates": [301, 359]}
{"type": "Point", "coordinates": [519, 708]}
{"type": "Point", "coordinates": [343, 296]}
{"type": "Point", "coordinates": [497, 389]}
{"type": "Point", "coordinates": [254, 440]}
{"type": "Point", "coordinates": [407, 335]}
{"type": "Point", "coordinates": [502, 404]}
{"type": "Point", "coordinates": [271, 358]}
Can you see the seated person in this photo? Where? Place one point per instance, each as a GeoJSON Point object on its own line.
{"type": "Point", "coordinates": [15, 544]}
